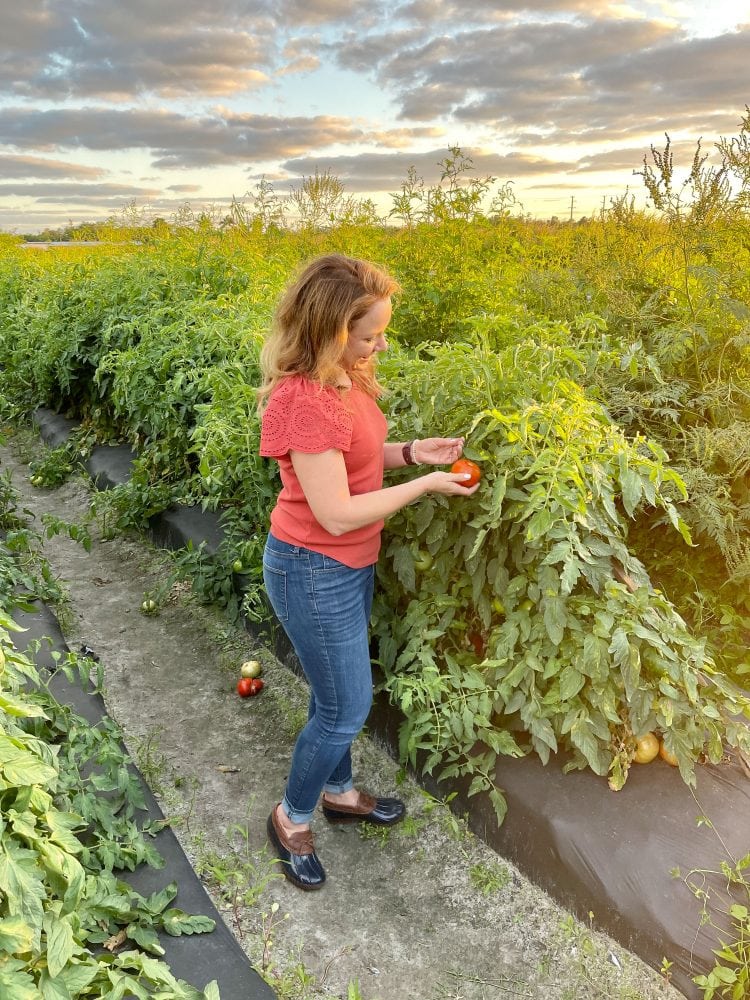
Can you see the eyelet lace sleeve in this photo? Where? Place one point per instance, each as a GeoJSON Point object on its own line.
{"type": "Point", "coordinates": [302, 416]}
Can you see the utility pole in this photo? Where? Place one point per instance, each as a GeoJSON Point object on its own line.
{"type": "Point", "coordinates": [572, 202]}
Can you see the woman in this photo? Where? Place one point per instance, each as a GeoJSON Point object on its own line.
{"type": "Point", "coordinates": [321, 422]}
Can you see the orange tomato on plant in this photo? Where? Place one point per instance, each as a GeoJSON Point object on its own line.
{"type": "Point", "coordinates": [667, 755]}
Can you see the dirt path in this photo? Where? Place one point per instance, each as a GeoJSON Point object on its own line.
{"type": "Point", "coordinates": [425, 912]}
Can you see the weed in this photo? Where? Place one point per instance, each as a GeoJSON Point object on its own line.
{"type": "Point", "coordinates": [489, 877]}
{"type": "Point", "coordinates": [411, 826]}
{"type": "Point", "coordinates": [373, 831]}
{"type": "Point", "coordinates": [456, 827]}
{"type": "Point", "coordinates": [240, 876]}
{"type": "Point", "coordinates": [152, 763]}
{"type": "Point", "coordinates": [730, 976]}
{"type": "Point", "coordinates": [293, 713]}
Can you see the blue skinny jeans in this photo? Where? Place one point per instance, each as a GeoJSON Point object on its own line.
{"type": "Point", "coordinates": [324, 607]}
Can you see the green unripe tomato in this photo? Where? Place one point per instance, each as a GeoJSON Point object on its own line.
{"type": "Point", "coordinates": [498, 606]}
{"type": "Point", "coordinates": [237, 566]}
{"type": "Point", "coordinates": [526, 605]}
{"type": "Point", "coordinates": [251, 668]}
{"type": "Point", "coordinates": [423, 560]}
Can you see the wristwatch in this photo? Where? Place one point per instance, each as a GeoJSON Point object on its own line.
{"type": "Point", "coordinates": [408, 452]}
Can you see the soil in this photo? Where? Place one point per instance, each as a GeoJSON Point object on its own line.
{"type": "Point", "coordinates": [425, 911]}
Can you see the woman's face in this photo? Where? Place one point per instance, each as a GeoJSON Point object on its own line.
{"type": "Point", "coordinates": [367, 335]}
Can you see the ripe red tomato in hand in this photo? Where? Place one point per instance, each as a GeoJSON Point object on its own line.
{"type": "Point", "coordinates": [464, 465]}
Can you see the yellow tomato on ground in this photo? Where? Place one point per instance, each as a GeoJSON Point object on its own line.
{"type": "Point", "coordinates": [646, 749]}
{"type": "Point", "coordinates": [251, 668]}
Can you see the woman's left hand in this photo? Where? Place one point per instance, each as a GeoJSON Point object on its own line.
{"type": "Point", "coordinates": [437, 451]}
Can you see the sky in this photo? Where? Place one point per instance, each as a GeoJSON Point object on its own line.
{"type": "Point", "coordinates": [107, 105]}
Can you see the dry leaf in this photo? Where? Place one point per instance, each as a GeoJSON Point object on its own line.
{"type": "Point", "coordinates": [116, 941]}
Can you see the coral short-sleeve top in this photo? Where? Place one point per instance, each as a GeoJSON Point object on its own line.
{"type": "Point", "coordinates": [302, 415]}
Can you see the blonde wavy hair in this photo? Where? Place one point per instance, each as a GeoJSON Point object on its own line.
{"type": "Point", "coordinates": [313, 319]}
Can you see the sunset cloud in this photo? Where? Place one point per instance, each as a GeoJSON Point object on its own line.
{"type": "Point", "coordinates": [35, 166]}
{"type": "Point", "coordinates": [202, 99]}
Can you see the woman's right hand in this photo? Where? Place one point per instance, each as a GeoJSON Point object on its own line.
{"type": "Point", "coordinates": [449, 484]}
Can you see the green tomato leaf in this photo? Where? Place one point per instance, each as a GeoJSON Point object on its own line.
{"type": "Point", "coordinates": [20, 708]}
{"type": "Point", "coordinates": [145, 937]}
{"type": "Point", "coordinates": [571, 682]}
{"type": "Point", "coordinates": [176, 922]}
{"type": "Point", "coordinates": [61, 945]}
{"type": "Point", "coordinates": [15, 935]}
{"type": "Point", "coordinates": [16, 983]}
{"type": "Point", "coordinates": [159, 901]}
{"type": "Point", "coordinates": [632, 488]}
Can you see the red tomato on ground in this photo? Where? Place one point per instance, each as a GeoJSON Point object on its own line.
{"type": "Point", "coordinates": [464, 465]}
{"type": "Point", "coordinates": [244, 686]}
{"type": "Point", "coordinates": [248, 687]}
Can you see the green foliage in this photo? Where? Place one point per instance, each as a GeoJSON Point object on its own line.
{"type": "Point", "coordinates": [69, 805]}
{"type": "Point", "coordinates": [25, 575]}
{"type": "Point", "coordinates": [489, 878]}
{"type": "Point", "coordinates": [727, 909]}
{"type": "Point", "coordinates": [583, 657]}
{"type": "Point", "coordinates": [61, 838]}
{"type": "Point", "coordinates": [599, 372]}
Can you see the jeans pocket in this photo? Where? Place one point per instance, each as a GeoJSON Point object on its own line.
{"type": "Point", "coordinates": [275, 581]}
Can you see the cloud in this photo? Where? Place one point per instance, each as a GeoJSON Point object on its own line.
{"type": "Point", "coordinates": [625, 158]}
{"type": "Point", "coordinates": [75, 48]}
{"type": "Point", "coordinates": [171, 48]}
{"type": "Point", "coordinates": [386, 171]}
{"type": "Point", "coordinates": [299, 55]}
{"type": "Point", "coordinates": [562, 79]}
{"type": "Point", "coordinates": [34, 166]}
{"type": "Point", "coordinates": [537, 80]}
{"type": "Point", "coordinates": [319, 12]}
{"type": "Point", "coordinates": [66, 192]}
{"type": "Point", "coordinates": [462, 12]}
{"type": "Point", "coordinates": [178, 141]}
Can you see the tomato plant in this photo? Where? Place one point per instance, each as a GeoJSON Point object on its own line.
{"type": "Point", "coordinates": [573, 359]}
{"type": "Point", "coordinates": [585, 653]}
